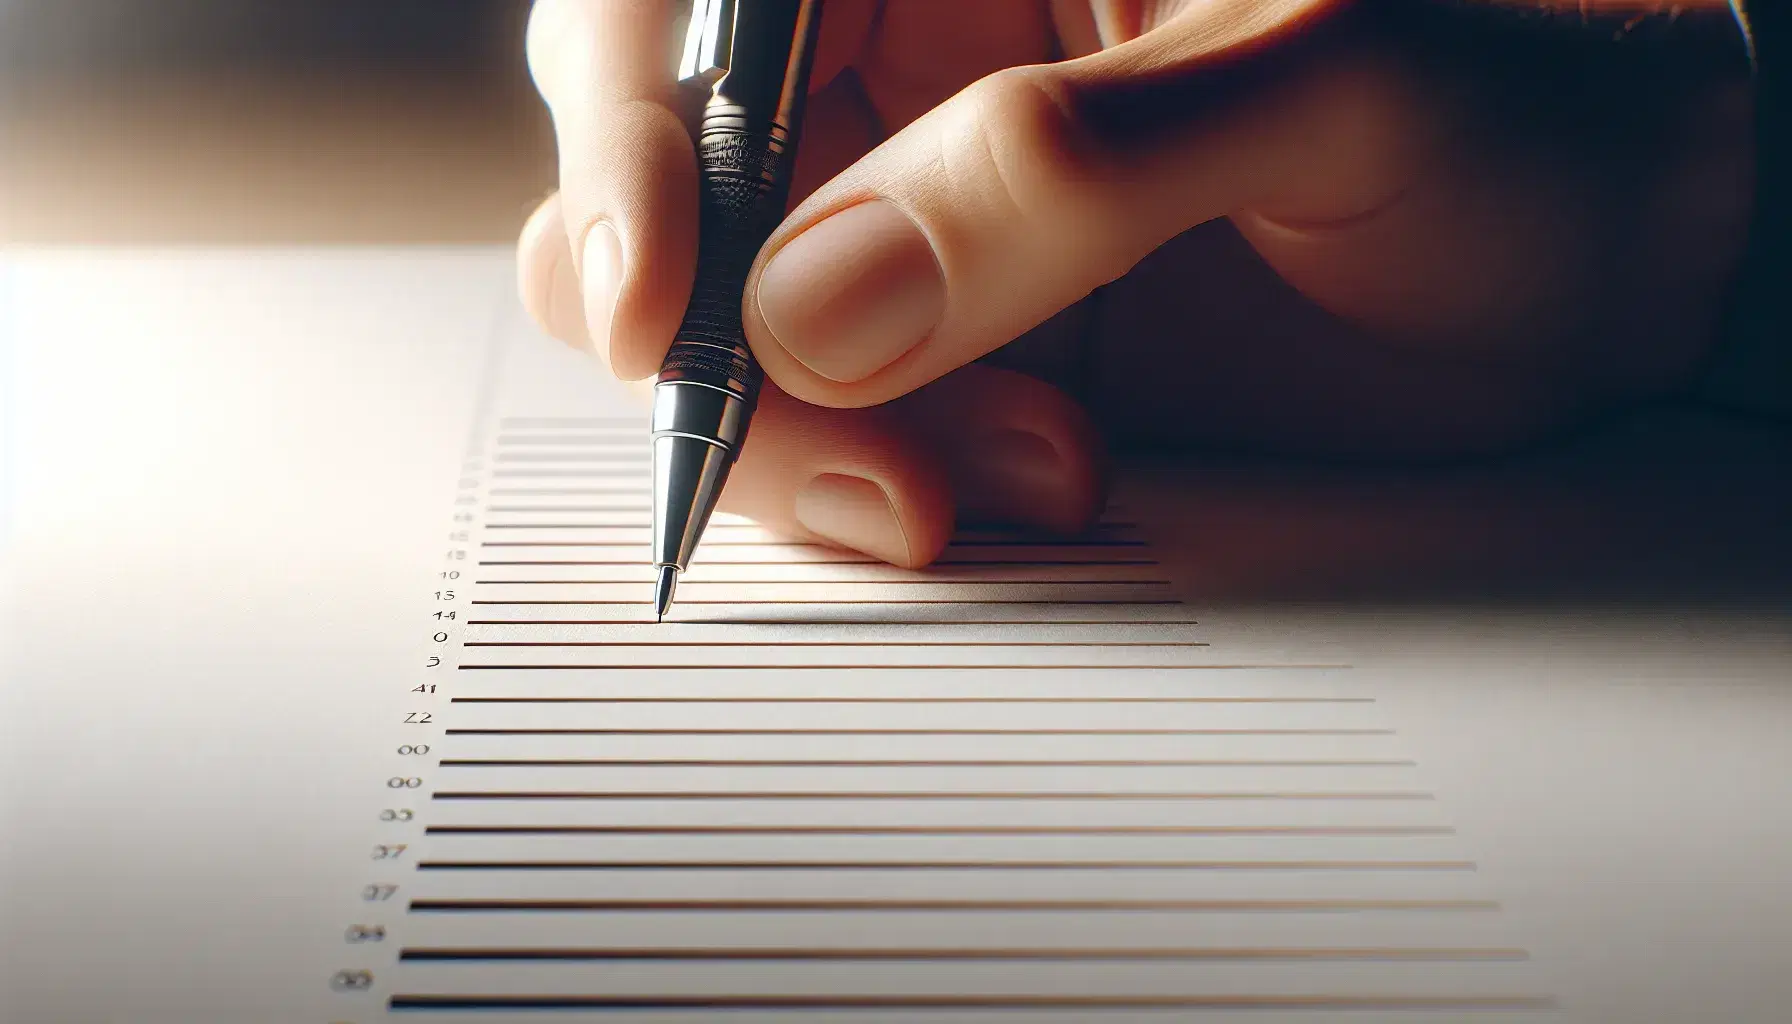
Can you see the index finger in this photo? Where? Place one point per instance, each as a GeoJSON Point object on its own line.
{"type": "Point", "coordinates": [628, 176]}
{"type": "Point", "coordinates": [628, 179]}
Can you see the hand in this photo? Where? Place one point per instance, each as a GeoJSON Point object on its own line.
{"type": "Point", "coordinates": [1292, 225]}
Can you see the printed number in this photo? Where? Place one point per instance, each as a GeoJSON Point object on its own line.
{"type": "Point", "coordinates": [378, 893]}
{"type": "Point", "coordinates": [456, 555]}
{"type": "Point", "coordinates": [444, 595]}
{"type": "Point", "coordinates": [351, 981]}
{"type": "Point", "coordinates": [417, 718]}
{"type": "Point", "coordinates": [388, 852]}
{"type": "Point", "coordinates": [432, 662]}
{"type": "Point", "coordinates": [365, 933]}
{"type": "Point", "coordinates": [445, 615]}
{"type": "Point", "coordinates": [413, 748]}
{"type": "Point", "coordinates": [451, 574]}
{"type": "Point", "coordinates": [463, 517]}
{"type": "Point", "coordinates": [440, 638]}
{"type": "Point", "coordinates": [403, 782]}
{"type": "Point", "coordinates": [460, 535]}
{"type": "Point", "coordinates": [398, 813]}
{"type": "Point", "coordinates": [425, 688]}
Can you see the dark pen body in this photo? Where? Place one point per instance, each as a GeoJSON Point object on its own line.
{"type": "Point", "coordinates": [746, 148]}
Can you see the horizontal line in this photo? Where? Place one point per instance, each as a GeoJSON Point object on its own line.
{"type": "Point", "coordinates": [832, 622]}
{"type": "Point", "coordinates": [568, 508]}
{"type": "Point", "coordinates": [630, 449]}
{"type": "Point", "coordinates": [594, 458]}
{"type": "Point", "coordinates": [922, 1003]}
{"type": "Point", "coordinates": [634, 441]}
{"type": "Point", "coordinates": [920, 732]}
{"type": "Point", "coordinates": [1250, 906]}
{"type": "Point", "coordinates": [632, 429]}
{"type": "Point", "coordinates": [983, 763]}
{"type": "Point", "coordinates": [558, 422]}
{"type": "Point", "coordinates": [1085, 543]}
{"type": "Point", "coordinates": [862, 583]}
{"type": "Point", "coordinates": [519, 492]}
{"type": "Point", "coordinates": [970, 953]}
{"type": "Point", "coordinates": [952, 865]}
{"type": "Point", "coordinates": [996, 526]}
{"type": "Point", "coordinates": [834, 643]}
{"type": "Point", "coordinates": [640, 423]}
{"type": "Point", "coordinates": [1117, 601]}
{"type": "Point", "coordinates": [575, 473]}
{"type": "Point", "coordinates": [836, 668]}
{"type": "Point", "coordinates": [1334, 831]}
{"type": "Point", "coordinates": [912, 700]}
{"type": "Point", "coordinates": [565, 526]}
{"type": "Point", "coordinates": [979, 563]}
{"type": "Point", "coordinates": [708, 545]}
{"type": "Point", "coordinates": [712, 545]}
{"type": "Point", "coordinates": [921, 794]}
{"type": "Point", "coordinates": [795, 1003]}
{"type": "Point", "coordinates": [642, 526]}
{"type": "Point", "coordinates": [592, 437]}
{"type": "Point", "coordinates": [634, 435]}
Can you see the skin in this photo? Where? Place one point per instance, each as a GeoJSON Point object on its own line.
{"type": "Point", "coordinates": [1369, 231]}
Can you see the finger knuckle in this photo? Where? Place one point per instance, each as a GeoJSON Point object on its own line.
{"type": "Point", "coordinates": [1031, 144]}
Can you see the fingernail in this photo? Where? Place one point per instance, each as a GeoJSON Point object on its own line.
{"type": "Point", "coordinates": [853, 513]}
{"type": "Point", "coordinates": [1015, 476]}
{"type": "Point", "coordinates": [853, 293]}
{"type": "Point", "coordinates": [562, 305]}
{"type": "Point", "coordinates": [603, 282]}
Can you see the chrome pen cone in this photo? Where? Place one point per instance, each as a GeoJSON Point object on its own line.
{"type": "Point", "coordinates": [755, 60]}
{"type": "Point", "coordinates": [663, 588]}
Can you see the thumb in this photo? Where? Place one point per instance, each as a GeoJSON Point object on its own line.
{"type": "Point", "coordinates": [1037, 185]}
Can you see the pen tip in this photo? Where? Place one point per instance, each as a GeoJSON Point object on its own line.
{"type": "Point", "coordinates": [662, 591]}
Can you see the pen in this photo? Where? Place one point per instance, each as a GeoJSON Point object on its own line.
{"type": "Point", "coordinates": [758, 54]}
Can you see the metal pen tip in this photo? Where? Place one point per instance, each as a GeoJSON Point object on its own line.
{"type": "Point", "coordinates": [662, 591]}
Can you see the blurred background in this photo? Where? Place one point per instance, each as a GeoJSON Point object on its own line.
{"type": "Point", "coordinates": [276, 121]}
{"type": "Point", "coordinates": [113, 35]}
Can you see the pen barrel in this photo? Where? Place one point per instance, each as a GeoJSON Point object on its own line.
{"type": "Point", "coordinates": [746, 150]}
{"type": "Point", "coordinates": [745, 185]}
{"type": "Point", "coordinates": [709, 383]}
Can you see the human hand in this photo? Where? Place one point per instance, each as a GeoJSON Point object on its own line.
{"type": "Point", "coordinates": [1294, 225]}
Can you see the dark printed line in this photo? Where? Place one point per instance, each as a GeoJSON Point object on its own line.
{"type": "Point", "coordinates": [1310, 954]}
{"type": "Point", "coordinates": [1380, 796]}
{"type": "Point", "coordinates": [1314, 831]}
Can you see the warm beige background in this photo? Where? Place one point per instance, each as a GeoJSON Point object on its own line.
{"type": "Point", "coordinates": [1667, 506]}
{"type": "Point", "coordinates": [297, 156]}
{"type": "Point", "coordinates": [267, 122]}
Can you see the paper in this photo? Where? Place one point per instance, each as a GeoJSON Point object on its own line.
{"type": "Point", "coordinates": [1024, 784]}
{"type": "Point", "coordinates": [228, 533]}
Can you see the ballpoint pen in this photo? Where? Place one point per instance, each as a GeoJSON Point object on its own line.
{"type": "Point", "coordinates": [757, 55]}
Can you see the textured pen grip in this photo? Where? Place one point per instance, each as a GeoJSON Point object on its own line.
{"type": "Point", "coordinates": [744, 191]}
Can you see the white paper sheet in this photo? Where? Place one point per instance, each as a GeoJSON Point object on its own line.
{"type": "Point", "coordinates": [1026, 784]}
{"type": "Point", "coordinates": [233, 483]}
